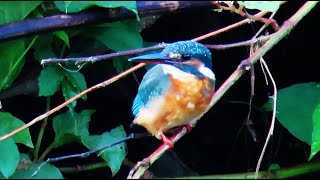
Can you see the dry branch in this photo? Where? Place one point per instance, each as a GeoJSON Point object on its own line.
{"type": "Point", "coordinates": [94, 16]}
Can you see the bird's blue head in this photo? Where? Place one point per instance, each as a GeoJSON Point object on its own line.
{"type": "Point", "coordinates": [181, 52]}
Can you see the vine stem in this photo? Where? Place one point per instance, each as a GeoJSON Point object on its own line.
{"type": "Point", "coordinates": [270, 133]}
{"type": "Point", "coordinates": [46, 152]}
{"type": "Point", "coordinates": [285, 29]}
{"type": "Point", "coordinates": [41, 132]}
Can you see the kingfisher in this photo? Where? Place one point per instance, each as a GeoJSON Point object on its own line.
{"type": "Point", "coordinates": [176, 91]}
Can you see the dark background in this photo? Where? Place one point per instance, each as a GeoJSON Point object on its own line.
{"type": "Point", "coordinates": [220, 143]}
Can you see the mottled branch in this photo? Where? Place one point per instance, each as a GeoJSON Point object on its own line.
{"type": "Point", "coordinates": [93, 16]}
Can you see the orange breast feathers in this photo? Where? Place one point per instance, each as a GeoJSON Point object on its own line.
{"type": "Point", "coordinates": [186, 100]}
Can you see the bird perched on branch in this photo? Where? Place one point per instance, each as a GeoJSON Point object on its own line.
{"type": "Point", "coordinates": [176, 91]}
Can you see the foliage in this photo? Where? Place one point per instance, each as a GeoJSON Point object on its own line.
{"type": "Point", "coordinates": [9, 156]}
{"type": "Point", "coordinates": [298, 113]}
{"type": "Point", "coordinates": [271, 6]}
{"type": "Point", "coordinates": [26, 169]}
{"type": "Point", "coordinates": [302, 121]}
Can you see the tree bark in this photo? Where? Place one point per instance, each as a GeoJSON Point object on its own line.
{"type": "Point", "coordinates": [92, 16]}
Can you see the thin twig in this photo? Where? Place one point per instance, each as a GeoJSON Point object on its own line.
{"type": "Point", "coordinates": [101, 149]}
{"type": "Point", "coordinates": [248, 121]}
{"type": "Point", "coordinates": [246, 103]}
{"type": "Point", "coordinates": [230, 27]}
{"type": "Point", "coordinates": [264, 26]}
{"type": "Point", "coordinates": [240, 11]}
{"type": "Point", "coordinates": [93, 59]}
{"type": "Point", "coordinates": [262, 62]}
{"type": "Point", "coordinates": [283, 31]}
{"type": "Point", "coordinates": [97, 86]}
{"type": "Point", "coordinates": [273, 117]}
{"type": "Point", "coordinates": [261, 39]}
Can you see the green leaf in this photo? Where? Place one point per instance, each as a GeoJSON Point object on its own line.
{"type": "Point", "coordinates": [16, 10]}
{"type": "Point", "coordinates": [71, 126]}
{"type": "Point", "coordinates": [28, 170]}
{"type": "Point", "coordinates": [50, 80]}
{"type": "Point", "coordinates": [68, 92]}
{"type": "Point", "coordinates": [121, 63]}
{"type": "Point", "coordinates": [271, 6]}
{"type": "Point", "coordinates": [268, 106]}
{"type": "Point", "coordinates": [274, 167]}
{"type": "Point", "coordinates": [295, 107]}
{"type": "Point", "coordinates": [9, 157]}
{"type": "Point", "coordinates": [77, 80]}
{"type": "Point", "coordinates": [42, 48]}
{"type": "Point", "coordinates": [315, 147]}
{"type": "Point", "coordinates": [73, 84]}
{"type": "Point", "coordinates": [11, 61]}
{"type": "Point", "coordinates": [76, 6]}
{"type": "Point", "coordinates": [63, 36]}
{"type": "Point", "coordinates": [9, 123]}
{"type": "Point", "coordinates": [118, 36]}
{"type": "Point", "coordinates": [114, 155]}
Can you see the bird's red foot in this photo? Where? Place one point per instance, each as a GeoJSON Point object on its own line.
{"type": "Point", "coordinates": [167, 141]}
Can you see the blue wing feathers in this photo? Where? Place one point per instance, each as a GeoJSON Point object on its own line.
{"type": "Point", "coordinates": [153, 84]}
{"type": "Point", "coordinates": [136, 105]}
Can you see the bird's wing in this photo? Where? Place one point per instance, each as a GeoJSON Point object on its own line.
{"type": "Point", "coordinates": [153, 84]}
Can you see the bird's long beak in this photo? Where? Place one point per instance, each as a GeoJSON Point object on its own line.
{"type": "Point", "coordinates": [155, 58]}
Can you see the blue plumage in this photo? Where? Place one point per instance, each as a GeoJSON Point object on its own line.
{"type": "Point", "coordinates": [153, 84]}
{"type": "Point", "coordinates": [176, 92]}
{"type": "Point", "coordinates": [190, 49]}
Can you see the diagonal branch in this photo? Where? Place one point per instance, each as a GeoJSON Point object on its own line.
{"type": "Point", "coordinates": [285, 29]}
{"type": "Point", "coordinates": [97, 86]}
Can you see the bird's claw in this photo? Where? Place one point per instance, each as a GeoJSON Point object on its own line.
{"type": "Point", "coordinates": [167, 141]}
{"type": "Point", "coordinates": [145, 162]}
{"type": "Point", "coordinates": [188, 127]}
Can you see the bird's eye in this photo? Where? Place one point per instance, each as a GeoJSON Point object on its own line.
{"type": "Point", "coordinates": [185, 56]}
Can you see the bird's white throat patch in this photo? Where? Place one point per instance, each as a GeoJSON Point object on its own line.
{"type": "Point", "coordinates": [207, 72]}
{"type": "Point", "coordinates": [174, 72]}
{"type": "Point", "coordinates": [179, 74]}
